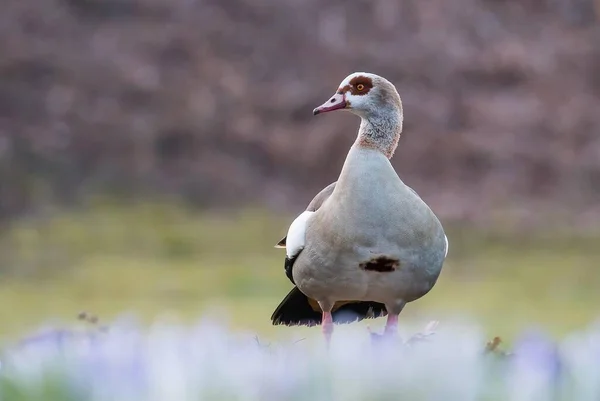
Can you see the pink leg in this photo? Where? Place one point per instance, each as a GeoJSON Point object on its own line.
{"type": "Point", "coordinates": [391, 326]}
{"type": "Point", "coordinates": [327, 327]}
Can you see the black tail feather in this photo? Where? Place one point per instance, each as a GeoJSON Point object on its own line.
{"type": "Point", "coordinates": [296, 310]}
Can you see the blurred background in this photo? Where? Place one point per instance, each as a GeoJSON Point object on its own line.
{"type": "Point", "coordinates": [152, 152]}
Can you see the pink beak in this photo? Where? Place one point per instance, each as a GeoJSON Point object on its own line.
{"type": "Point", "coordinates": [338, 101]}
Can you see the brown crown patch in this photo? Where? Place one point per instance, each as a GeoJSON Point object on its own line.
{"type": "Point", "coordinates": [353, 86]}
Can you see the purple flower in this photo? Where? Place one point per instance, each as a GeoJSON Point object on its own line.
{"type": "Point", "coordinates": [536, 367]}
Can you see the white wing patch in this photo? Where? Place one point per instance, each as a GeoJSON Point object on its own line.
{"type": "Point", "coordinates": [447, 246]}
{"type": "Point", "coordinates": [296, 235]}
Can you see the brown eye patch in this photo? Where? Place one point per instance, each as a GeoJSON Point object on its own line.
{"type": "Point", "coordinates": [359, 85]}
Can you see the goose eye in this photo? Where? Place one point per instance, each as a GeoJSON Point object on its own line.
{"type": "Point", "coordinates": [360, 87]}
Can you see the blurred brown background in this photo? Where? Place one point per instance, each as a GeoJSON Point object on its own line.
{"type": "Point", "coordinates": [211, 100]}
{"type": "Point", "coordinates": [207, 104]}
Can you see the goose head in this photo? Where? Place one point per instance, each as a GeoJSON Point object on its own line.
{"type": "Point", "coordinates": [364, 94]}
{"type": "Point", "coordinates": [376, 101]}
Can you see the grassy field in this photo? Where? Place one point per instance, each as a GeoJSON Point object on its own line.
{"type": "Point", "coordinates": [153, 259]}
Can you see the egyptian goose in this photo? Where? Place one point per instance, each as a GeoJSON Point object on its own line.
{"type": "Point", "coordinates": [367, 244]}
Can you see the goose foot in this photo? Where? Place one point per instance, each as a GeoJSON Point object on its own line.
{"type": "Point", "coordinates": [386, 337]}
{"type": "Point", "coordinates": [390, 332]}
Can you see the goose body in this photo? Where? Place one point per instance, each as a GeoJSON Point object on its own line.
{"type": "Point", "coordinates": [367, 243]}
{"type": "Point", "coordinates": [372, 240]}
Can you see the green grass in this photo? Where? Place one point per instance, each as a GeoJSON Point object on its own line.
{"type": "Point", "coordinates": [152, 259]}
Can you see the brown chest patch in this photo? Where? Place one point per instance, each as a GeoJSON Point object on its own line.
{"type": "Point", "coordinates": [380, 264]}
